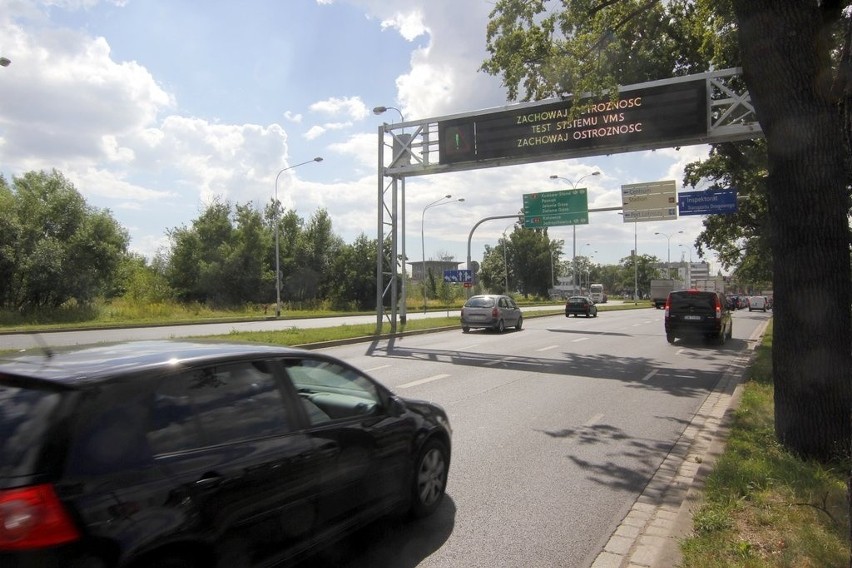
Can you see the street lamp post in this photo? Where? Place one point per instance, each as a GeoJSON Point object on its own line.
{"type": "Point", "coordinates": [506, 259]}
{"type": "Point", "coordinates": [403, 300]}
{"type": "Point", "coordinates": [668, 237]}
{"type": "Point", "coordinates": [552, 271]}
{"type": "Point", "coordinates": [689, 268]}
{"type": "Point", "coordinates": [635, 255]}
{"type": "Point", "coordinates": [435, 203]}
{"type": "Point", "coordinates": [574, 227]}
{"type": "Point", "coordinates": [277, 253]}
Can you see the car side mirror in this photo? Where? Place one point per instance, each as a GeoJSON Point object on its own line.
{"type": "Point", "coordinates": [396, 407]}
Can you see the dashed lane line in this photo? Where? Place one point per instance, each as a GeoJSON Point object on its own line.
{"type": "Point", "coordinates": [422, 381]}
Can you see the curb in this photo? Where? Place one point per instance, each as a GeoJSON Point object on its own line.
{"type": "Point", "coordinates": [649, 535]}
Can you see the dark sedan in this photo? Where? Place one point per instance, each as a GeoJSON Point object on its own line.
{"type": "Point", "coordinates": [580, 306]}
{"type": "Point", "coordinates": [194, 455]}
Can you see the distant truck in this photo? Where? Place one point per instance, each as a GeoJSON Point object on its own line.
{"type": "Point", "coordinates": [709, 284]}
{"type": "Point", "coordinates": [660, 289]}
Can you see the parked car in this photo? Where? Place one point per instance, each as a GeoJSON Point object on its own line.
{"type": "Point", "coordinates": [580, 306]}
{"type": "Point", "coordinates": [491, 311]}
{"type": "Point", "coordinates": [757, 303]}
{"type": "Point", "coordinates": [695, 313]}
{"type": "Point", "coordinates": [187, 454]}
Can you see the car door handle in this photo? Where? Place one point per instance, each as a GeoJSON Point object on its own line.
{"type": "Point", "coordinates": [209, 482]}
{"type": "Point", "coordinates": [329, 448]}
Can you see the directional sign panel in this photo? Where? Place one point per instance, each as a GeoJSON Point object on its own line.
{"type": "Point", "coordinates": [464, 276]}
{"type": "Point", "coordinates": [709, 202]}
{"type": "Point", "coordinates": [652, 201]}
{"type": "Point", "coordinates": [553, 208]}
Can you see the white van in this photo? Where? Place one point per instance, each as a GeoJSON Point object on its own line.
{"type": "Point", "coordinates": [757, 303]}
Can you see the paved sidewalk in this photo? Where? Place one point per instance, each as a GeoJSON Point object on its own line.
{"type": "Point", "coordinates": [648, 537]}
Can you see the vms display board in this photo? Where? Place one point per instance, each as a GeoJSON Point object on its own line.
{"type": "Point", "coordinates": [669, 112]}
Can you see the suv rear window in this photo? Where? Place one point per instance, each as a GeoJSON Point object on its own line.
{"type": "Point", "coordinates": [26, 415]}
{"type": "Point", "coordinates": [693, 301]}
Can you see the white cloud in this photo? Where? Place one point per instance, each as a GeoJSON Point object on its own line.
{"type": "Point", "coordinates": [314, 132]}
{"type": "Point", "coordinates": [409, 25]}
{"type": "Point", "coordinates": [352, 107]}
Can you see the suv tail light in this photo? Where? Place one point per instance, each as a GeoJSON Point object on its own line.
{"type": "Point", "coordinates": [668, 306]}
{"type": "Point", "coordinates": [33, 517]}
{"type": "Point", "coordinates": [718, 307]}
{"type": "Point", "coordinates": [495, 313]}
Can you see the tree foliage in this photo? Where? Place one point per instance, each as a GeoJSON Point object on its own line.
{"type": "Point", "coordinates": [54, 248]}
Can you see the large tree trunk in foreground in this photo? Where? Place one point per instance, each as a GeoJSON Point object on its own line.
{"type": "Point", "coordinates": [786, 66]}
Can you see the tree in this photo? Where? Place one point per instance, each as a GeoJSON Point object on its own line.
{"type": "Point", "coordinates": [796, 62]}
{"type": "Point", "coordinates": [55, 248]}
{"type": "Point", "coordinates": [799, 99]}
{"type": "Point", "coordinates": [221, 258]}
{"type": "Point", "coordinates": [352, 280]}
{"type": "Point", "coordinates": [740, 239]}
{"type": "Point", "coordinates": [492, 272]}
{"type": "Point", "coordinates": [315, 248]}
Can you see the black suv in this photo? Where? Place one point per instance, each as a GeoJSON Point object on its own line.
{"type": "Point", "coordinates": [187, 454]}
{"type": "Point", "coordinates": [691, 313]}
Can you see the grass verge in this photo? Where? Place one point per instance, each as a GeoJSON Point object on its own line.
{"type": "Point", "coordinates": [763, 507]}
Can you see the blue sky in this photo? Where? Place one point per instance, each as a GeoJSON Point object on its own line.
{"type": "Point", "coordinates": [153, 108]}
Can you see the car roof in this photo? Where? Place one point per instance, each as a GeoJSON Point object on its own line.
{"type": "Point", "coordinates": [81, 365]}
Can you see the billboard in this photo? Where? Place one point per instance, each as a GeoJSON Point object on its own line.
{"type": "Point", "coordinates": [665, 112]}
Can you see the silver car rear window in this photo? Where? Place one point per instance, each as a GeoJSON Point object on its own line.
{"type": "Point", "coordinates": [480, 303]}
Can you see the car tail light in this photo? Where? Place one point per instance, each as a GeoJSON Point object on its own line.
{"type": "Point", "coordinates": [495, 312]}
{"type": "Point", "coordinates": [718, 307]}
{"type": "Point", "coordinates": [33, 517]}
{"type": "Point", "coordinates": [668, 306]}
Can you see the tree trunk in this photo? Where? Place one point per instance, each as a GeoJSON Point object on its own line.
{"type": "Point", "coordinates": [787, 70]}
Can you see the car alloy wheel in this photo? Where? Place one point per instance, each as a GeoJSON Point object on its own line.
{"type": "Point", "coordinates": [430, 478]}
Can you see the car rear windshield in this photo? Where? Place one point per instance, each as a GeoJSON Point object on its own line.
{"type": "Point", "coordinates": [480, 303]}
{"type": "Point", "coordinates": [26, 415]}
{"type": "Point", "coordinates": [703, 301]}
{"type": "Point", "coordinates": [579, 301]}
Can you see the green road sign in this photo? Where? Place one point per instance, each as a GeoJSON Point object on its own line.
{"type": "Point", "coordinates": [553, 208]}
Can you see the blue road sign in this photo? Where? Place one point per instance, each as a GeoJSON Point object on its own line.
{"type": "Point", "coordinates": [458, 276]}
{"type": "Point", "coordinates": [708, 202]}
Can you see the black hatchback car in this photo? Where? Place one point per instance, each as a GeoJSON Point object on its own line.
{"type": "Point", "coordinates": [697, 313]}
{"type": "Point", "coordinates": [580, 306]}
{"type": "Point", "coordinates": [178, 454]}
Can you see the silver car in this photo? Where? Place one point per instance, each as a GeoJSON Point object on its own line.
{"type": "Point", "coordinates": [491, 311]}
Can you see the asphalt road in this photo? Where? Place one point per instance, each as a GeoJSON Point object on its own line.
{"type": "Point", "coordinates": [557, 430]}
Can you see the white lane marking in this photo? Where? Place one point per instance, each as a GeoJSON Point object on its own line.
{"type": "Point", "coordinates": [376, 368]}
{"type": "Point", "coordinates": [580, 339]}
{"type": "Point", "coordinates": [594, 420]}
{"type": "Point", "coordinates": [651, 374]}
{"type": "Point", "coordinates": [422, 381]}
{"type": "Point", "coordinates": [548, 348]}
